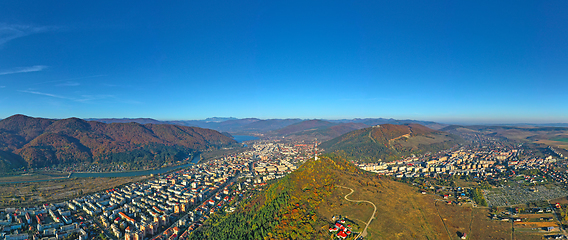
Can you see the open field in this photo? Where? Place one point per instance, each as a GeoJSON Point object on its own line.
{"type": "Point", "coordinates": [473, 221]}
{"type": "Point", "coordinates": [530, 235]}
{"type": "Point", "coordinates": [560, 139]}
{"type": "Point", "coordinates": [562, 200]}
{"type": "Point", "coordinates": [541, 215]}
{"type": "Point", "coordinates": [535, 224]}
{"type": "Point", "coordinates": [33, 193]}
{"type": "Point", "coordinates": [464, 184]}
{"type": "Point", "coordinates": [559, 144]}
{"type": "Point", "coordinates": [484, 228]}
{"type": "Point", "coordinates": [38, 176]}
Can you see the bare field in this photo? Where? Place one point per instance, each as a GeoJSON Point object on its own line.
{"type": "Point", "coordinates": [39, 176]}
{"type": "Point", "coordinates": [473, 221]}
{"type": "Point", "coordinates": [34, 193]}
{"type": "Point", "coordinates": [484, 228]}
{"type": "Point", "coordinates": [562, 200]}
{"type": "Point", "coordinates": [535, 224]}
{"type": "Point", "coordinates": [542, 215]}
{"type": "Point", "coordinates": [529, 235]}
{"type": "Point", "coordinates": [559, 144]}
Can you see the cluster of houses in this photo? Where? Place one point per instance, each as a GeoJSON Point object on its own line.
{"type": "Point", "coordinates": [48, 221]}
{"type": "Point", "coordinates": [340, 229]}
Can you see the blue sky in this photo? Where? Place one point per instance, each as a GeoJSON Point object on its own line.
{"type": "Point", "coordinates": [449, 61]}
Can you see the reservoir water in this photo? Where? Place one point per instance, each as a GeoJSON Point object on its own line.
{"type": "Point", "coordinates": [242, 138]}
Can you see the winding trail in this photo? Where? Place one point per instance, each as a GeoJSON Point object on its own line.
{"type": "Point", "coordinates": [364, 232]}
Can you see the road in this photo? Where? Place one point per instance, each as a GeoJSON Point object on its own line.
{"type": "Point", "coordinates": [364, 232]}
{"type": "Point", "coordinates": [558, 218]}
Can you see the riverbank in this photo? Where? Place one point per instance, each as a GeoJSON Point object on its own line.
{"type": "Point", "coordinates": [30, 177]}
{"type": "Point", "coordinates": [33, 193]}
{"type": "Point", "coordinates": [51, 176]}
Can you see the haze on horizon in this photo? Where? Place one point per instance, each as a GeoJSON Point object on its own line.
{"type": "Point", "coordinates": [453, 62]}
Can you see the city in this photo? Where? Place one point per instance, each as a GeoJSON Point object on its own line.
{"type": "Point", "coordinates": [234, 120]}
{"type": "Point", "coordinates": [169, 206]}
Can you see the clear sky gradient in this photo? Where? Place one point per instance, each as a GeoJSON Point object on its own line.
{"type": "Point", "coordinates": [449, 61]}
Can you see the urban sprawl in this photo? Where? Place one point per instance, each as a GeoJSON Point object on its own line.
{"type": "Point", "coordinates": [172, 205]}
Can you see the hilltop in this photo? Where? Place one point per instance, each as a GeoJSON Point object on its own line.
{"type": "Point", "coordinates": [39, 142]}
{"type": "Point", "coordinates": [389, 142]}
{"type": "Point", "coordinates": [302, 205]}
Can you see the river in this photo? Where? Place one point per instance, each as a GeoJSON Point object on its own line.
{"type": "Point", "coordinates": [118, 174]}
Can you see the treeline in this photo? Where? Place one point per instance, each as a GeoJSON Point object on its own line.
{"type": "Point", "coordinates": [564, 213]}
{"type": "Point", "coordinates": [477, 196]}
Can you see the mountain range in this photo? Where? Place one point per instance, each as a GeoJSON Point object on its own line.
{"type": "Point", "coordinates": [39, 142]}
{"type": "Point", "coordinates": [293, 128]}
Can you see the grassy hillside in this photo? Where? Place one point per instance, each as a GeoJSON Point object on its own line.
{"type": "Point", "coordinates": [301, 206]}
{"type": "Point", "coordinates": [389, 142]}
{"type": "Point", "coordinates": [44, 142]}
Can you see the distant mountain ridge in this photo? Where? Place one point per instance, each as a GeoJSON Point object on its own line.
{"type": "Point", "coordinates": [389, 142]}
{"type": "Point", "coordinates": [316, 129]}
{"type": "Point", "coordinates": [292, 128]}
{"type": "Point", "coordinates": [127, 120]}
{"type": "Point", "coordinates": [43, 142]}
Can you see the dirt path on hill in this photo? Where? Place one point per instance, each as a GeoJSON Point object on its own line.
{"type": "Point", "coordinates": [372, 137]}
{"type": "Point", "coordinates": [441, 218]}
{"type": "Point", "coordinates": [364, 232]}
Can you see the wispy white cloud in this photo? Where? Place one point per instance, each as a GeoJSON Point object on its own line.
{"type": "Point", "coordinates": [45, 94]}
{"type": "Point", "coordinates": [87, 98]}
{"type": "Point", "coordinates": [9, 32]}
{"type": "Point", "coordinates": [69, 84]}
{"type": "Point", "coordinates": [35, 68]}
{"type": "Point", "coordinates": [82, 98]}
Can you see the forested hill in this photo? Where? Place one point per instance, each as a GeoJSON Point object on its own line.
{"type": "Point", "coordinates": [43, 142]}
{"type": "Point", "coordinates": [389, 142]}
{"type": "Point", "coordinates": [286, 210]}
{"type": "Point", "coordinates": [301, 206]}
